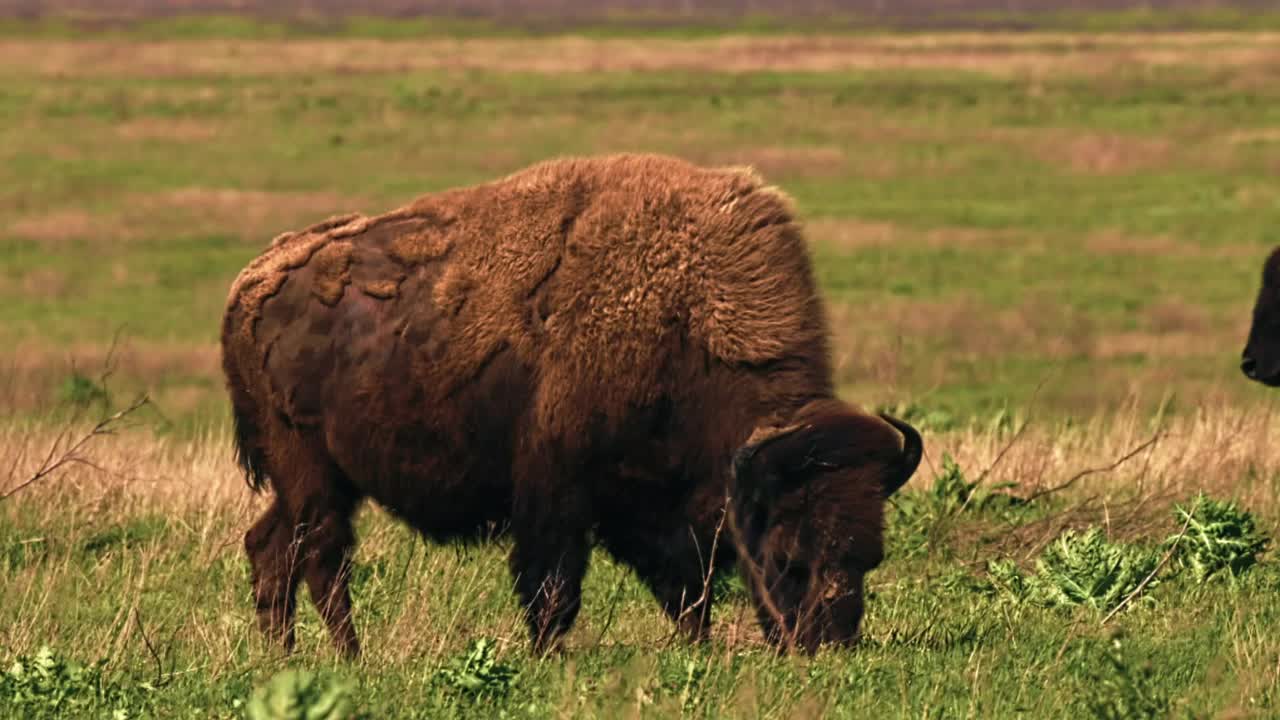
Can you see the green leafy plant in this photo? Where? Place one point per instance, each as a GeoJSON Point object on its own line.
{"type": "Point", "coordinates": [1007, 581]}
{"type": "Point", "coordinates": [1220, 538]}
{"type": "Point", "coordinates": [47, 685]}
{"type": "Point", "coordinates": [296, 694]}
{"type": "Point", "coordinates": [935, 420]}
{"type": "Point", "coordinates": [79, 390]}
{"type": "Point", "coordinates": [477, 672]}
{"type": "Point", "coordinates": [1116, 689]}
{"type": "Point", "coordinates": [921, 515]}
{"type": "Point", "coordinates": [1078, 569]}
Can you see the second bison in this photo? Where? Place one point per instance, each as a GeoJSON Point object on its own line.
{"type": "Point", "coordinates": [626, 350]}
{"type": "Point", "coordinates": [1260, 360]}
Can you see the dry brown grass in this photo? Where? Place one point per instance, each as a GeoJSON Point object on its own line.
{"type": "Point", "coordinates": [1216, 448]}
{"type": "Point", "coordinates": [253, 215]}
{"type": "Point", "coordinates": [1007, 55]}
{"type": "Point", "coordinates": [60, 226]}
{"type": "Point", "coordinates": [31, 372]}
{"type": "Point", "coordinates": [782, 161]}
{"type": "Point", "coordinates": [850, 235]}
{"type": "Point", "coordinates": [1096, 153]}
{"type": "Point", "coordinates": [175, 129]}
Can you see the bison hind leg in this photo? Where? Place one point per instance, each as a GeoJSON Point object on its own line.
{"type": "Point", "coordinates": [307, 534]}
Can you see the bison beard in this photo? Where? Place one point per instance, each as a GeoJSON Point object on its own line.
{"type": "Point", "coordinates": [626, 350]}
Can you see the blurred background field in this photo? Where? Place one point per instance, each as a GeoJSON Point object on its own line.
{"type": "Point", "coordinates": [1039, 225]}
{"type": "Point", "coordinates": [990, 212]}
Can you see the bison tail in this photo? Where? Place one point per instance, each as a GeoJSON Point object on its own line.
{"type": "Point", "coordinates": [248, 449]}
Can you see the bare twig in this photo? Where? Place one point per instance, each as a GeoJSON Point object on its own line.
{"type": "Point", "coordinates": [161, 679]}
{"type": "Point", "coordinates": [613, 609]}
{"type": "Point", "coordinates": [1159, 566]}
{"type": "Point", "coordinates": [1094, 471]}
{"type": "Point", "coordinates": [710, 564]}
{"type": "Point", "coordinates": [1031, 404]}
{"type": "Point", "coordinates": [755, 576]}
{"type": "Point", "coordinates": [57, 459]}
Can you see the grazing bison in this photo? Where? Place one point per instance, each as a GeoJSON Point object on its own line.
{"type": "Point", "coordinates": [1261, 357]}
{"type": "Point", "coordinates": [611, 350]}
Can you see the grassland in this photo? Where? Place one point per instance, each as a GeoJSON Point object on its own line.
{"type": "Point", "coordinates": [1052, 230]}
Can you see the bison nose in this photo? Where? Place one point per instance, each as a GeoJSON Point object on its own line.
{"type": "Point", "coordinates": [1249, 367]}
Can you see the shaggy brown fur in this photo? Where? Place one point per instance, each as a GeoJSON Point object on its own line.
{"type": "Point", "coordinates": [579, 349]}
{"type": "Point", "coordinates": [1261, 358]}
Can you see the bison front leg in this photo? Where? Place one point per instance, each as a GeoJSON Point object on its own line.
{"type": "Point", "coordinates": [671, 565]}
{"type": "Point", "coordinates": [274, 570]}
{"type": "Point", "coordinates": [549, 557]}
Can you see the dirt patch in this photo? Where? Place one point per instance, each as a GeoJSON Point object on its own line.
{"type": "Point", "coordinates": [786, 161]}
{"type": "Point", "coordinates": [45, 283]}
{"type": "Point", "coordinates": [252, 215]}
{"type": "Point", "coordinates": [61, 226]}
{"type": "Point", "coordinates": [172, 129]}
{"type": "Point", "coordinates": [248, 213]}
{"type": "Point", "coordinates": [1115, 242]}
{"type": "Point", "coordinates": [854, 235]}
{"type": "Point", "coordinates": [560, 54]}
{"type": "Point", "coordinates": [1118, 243]}
{"type": "Point", "coordinates": [137, 357]}
{"type": "Point", "coordinates": [1255, 135]}
{"type": "Point", "coordinates": [1176, 316]}
{"type": "Point", "coordinates": [1092, 153]}
{"type": "Point", "coordinates": [1179, 344]}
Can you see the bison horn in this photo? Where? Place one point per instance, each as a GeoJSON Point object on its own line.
{"type": "Point", "coordinates": [912, 450]}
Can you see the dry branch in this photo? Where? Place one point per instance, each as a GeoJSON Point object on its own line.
{"type": "Point", "coordinates": [1094, 471]}
{"type": "Point", "coordinates": [61, 455]}
{"type": "Point", "coordinates": [1159, 566]}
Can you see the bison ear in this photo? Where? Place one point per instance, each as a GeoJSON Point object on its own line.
{"type": "Point", "coordinates": [760, 467]}
{"type": "Point", "coordinates": [765, 467]}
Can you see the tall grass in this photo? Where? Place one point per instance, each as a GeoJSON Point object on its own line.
{"type": "Point", "coordinates": [134, 557]}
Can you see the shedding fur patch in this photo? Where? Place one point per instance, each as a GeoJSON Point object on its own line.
{"type": "Point", "coordinates": [420, 247]}
{"type": "Point", "coordinates": [331, 264]}
{"type": "Point", "coordinates": [264, 277]}
{"type": "Point", "coordinates": [451, 292]}
{"type": "Point", "coordinates": [381, 289]}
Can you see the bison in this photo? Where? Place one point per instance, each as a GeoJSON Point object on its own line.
{"type": "Point", "coordinates": [627, 351]}
{"type": "Point", "coordinates": [1261, 358]}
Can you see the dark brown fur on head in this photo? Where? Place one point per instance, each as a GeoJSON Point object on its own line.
{"type": "Point", "coordinates": [1261, 358]}
{"type": "Point", "coordinates": [808, 504]}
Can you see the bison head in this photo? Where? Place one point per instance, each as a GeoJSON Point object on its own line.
{"type": "Point", "coordinates": [808, 512]}
{"type": "Point", "coordinates": [1261, 357]}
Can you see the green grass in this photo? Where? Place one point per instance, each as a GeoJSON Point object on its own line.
{"type": "Point", "coordinates": [1076, 244]}
{"type": "Point", "coordinates": [147, 589]}
{"type": "Point", "coordinates": [1000, 192]}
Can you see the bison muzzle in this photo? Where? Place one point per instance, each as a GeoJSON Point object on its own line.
{"type": "Point", "coordinates": [626, 351]}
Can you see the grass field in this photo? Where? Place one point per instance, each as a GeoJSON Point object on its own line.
{"type": "Point", "coordinates": [1041, 248]}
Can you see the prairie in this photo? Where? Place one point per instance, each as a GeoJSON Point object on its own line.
{"type": "Point", "coordinates": [1041, 248]}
